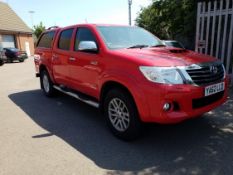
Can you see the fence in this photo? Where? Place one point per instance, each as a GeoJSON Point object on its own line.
{"type": "Point", "coordinates": [214, 32]}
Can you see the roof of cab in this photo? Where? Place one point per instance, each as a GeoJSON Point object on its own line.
{"type": "Point", "coordinates": [86, 24]}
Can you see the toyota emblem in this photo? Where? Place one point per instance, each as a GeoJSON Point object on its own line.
{"type": "Point", "coordinates": [213, 69]}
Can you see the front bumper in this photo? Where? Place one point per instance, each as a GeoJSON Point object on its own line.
{"type": "Point", "coordinates": [184, 99]}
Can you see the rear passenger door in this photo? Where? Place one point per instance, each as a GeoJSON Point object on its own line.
{"type": "Point", "coordinates": [61, 56]}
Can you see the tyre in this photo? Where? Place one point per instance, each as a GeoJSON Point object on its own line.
{"type": "Point", "coordinates": [121, 115]}
{"type": "Point", "coordinates": [1, 62]}
{"type": "Point", "coordinates": [21, 60]}
{"type": "Point", "coordinates": [46, 84]}
{"type": "Point", "coordinates": [10, 60]}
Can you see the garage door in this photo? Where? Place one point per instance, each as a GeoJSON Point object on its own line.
{"type": "Point", "coordinates": [8, 41]}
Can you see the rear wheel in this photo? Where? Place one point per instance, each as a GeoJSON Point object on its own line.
{"type": "Point", "coordinates": [122, 115]}
{"type": "Point", "coordinates": [21, 60]}
{"type": "Point", "coordinates": [1, 62]}
{"type": "Point", "coordinates": [10, 60]}
{"type": "Point", "coordinates": [47, 84]}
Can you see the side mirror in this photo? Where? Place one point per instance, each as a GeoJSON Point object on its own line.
{"type": "Point", "coordinates": [88, 46]}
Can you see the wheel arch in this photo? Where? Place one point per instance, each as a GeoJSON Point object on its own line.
{"type": "Point", "coordinates": [107, 86]}
{"type": "Point", "coordinates": [129, 85]}
{"type": "Point", "coordinates": [111, 85]}
{"type": "Point", "coordinates": [44, 67]}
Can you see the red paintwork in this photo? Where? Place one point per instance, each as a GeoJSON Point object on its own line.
{"type": "Point", "coordinates": [122, 66]}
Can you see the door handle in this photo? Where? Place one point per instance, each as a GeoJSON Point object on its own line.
{"type": "Point", "coordinates": [95, 63]}
{"type": "Point", "coordinates": [55, 56]}
{"type": "Point", "coordinates": [72, 59]}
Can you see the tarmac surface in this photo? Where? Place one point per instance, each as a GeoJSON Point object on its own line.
{"type": "Point", "coordinates": [62, 136]}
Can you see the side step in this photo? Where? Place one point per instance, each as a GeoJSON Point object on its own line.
{"type": "Point", "coordinates": [77, 96]}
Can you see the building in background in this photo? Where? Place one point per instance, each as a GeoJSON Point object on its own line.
{"type": "Point", "coordinates": [13, 31]}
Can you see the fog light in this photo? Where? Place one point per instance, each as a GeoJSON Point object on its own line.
{"type": "Point", "coordinates": [166, 107]}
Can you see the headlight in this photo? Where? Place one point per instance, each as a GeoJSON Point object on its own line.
{"type": "Point", "coordinates": [224, 70]}
{"type": "Point", "coordinates": [165, 75]}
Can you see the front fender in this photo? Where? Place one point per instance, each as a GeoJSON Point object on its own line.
{"type": "Point", "coordinates": [132, 84]}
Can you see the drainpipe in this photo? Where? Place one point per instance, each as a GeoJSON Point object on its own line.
{"type": "Point", "coordinates": [19, 43]}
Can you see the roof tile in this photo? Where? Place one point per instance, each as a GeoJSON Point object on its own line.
{"type": "Point", "coordinates": [10, 21]}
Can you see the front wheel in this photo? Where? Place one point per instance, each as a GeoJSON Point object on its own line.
{"type": "Point", "coordinates": [46, 84]}
{"type": "Point", "coordinates": [122, 115]}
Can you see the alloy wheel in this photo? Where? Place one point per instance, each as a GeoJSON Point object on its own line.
{"type": "Point", "coordinates": [119, 114]}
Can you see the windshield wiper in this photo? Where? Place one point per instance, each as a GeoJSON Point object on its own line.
{"type": "Point", "coordinates": [159, 45]}
{"type": "Point", "coordinates": [140, 46]}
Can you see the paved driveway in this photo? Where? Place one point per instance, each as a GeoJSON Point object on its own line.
{"type": "Point", "coordinates": [58, 136]}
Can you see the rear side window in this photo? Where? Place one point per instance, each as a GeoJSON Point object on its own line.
{"type": "Point", "coordinates": [46, 40]}
{"type": "Point", "coordinates": [65, 39]}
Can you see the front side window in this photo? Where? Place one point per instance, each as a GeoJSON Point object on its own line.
{"type": "Point", "coordinates": [65, 39]}
{"type": "Point", "coordinates": [83, 34]}
{"type": "Point", "coordinates": [46, 40]}
{"type": "Point", "coordinates": [118, 37]}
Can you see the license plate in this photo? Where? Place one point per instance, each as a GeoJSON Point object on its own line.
{"type": "Point", "coordinates": [215, 88]}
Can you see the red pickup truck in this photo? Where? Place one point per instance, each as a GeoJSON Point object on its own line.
{"type": "Point", "coordinates": [129, 74]}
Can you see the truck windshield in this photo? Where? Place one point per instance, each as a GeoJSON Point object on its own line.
{"type": "Point", "coordinates": [118, 37]}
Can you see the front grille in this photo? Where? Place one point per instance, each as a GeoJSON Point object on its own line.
{"type": "Point", "coordinates": [204, 101]}
{"type": "Point", "coordinates": [207, 74]}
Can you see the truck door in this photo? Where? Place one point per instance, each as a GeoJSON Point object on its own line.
{"type": "Point", "coordinates": [61, 56]}
{"type": "Point", "coordinates": [84, 65]}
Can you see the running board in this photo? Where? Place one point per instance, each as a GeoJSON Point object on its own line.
{"type": "Point", "coordinates": [77, 96]}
